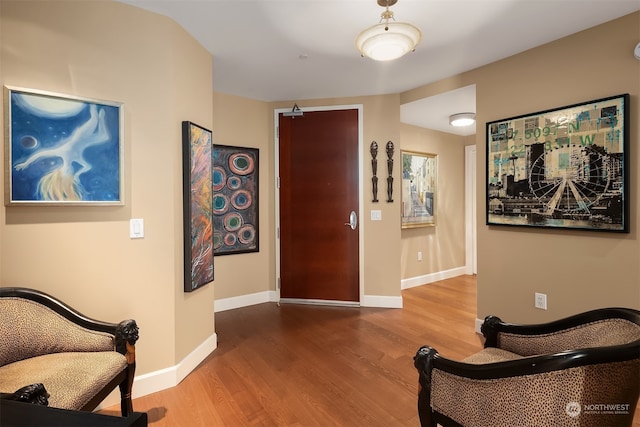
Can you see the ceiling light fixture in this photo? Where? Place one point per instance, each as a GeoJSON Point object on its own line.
{"type": "Point", "coordinates": [462, 119]}
{"type": "Point", "coordinates": [388, 40]}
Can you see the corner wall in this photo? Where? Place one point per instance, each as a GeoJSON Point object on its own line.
{"type": "Point", "coordinates": [578, 270]}
{"type": "Point", "coordinates": [442, 246]}
{"type": "Point", "coordinates": [244, 122]}
{"type": "Point", "coordinates": [83, 255]}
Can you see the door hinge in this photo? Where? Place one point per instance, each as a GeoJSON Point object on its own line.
{"type": "Point", "coordinates": [278, 283]}
{"type": "Point", "coordinates": [277, 131]}
{"type": "Point", "coordinates": [278, 183]}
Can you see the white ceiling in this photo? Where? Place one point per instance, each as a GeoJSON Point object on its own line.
{"type": "Point", "coordinates": [434, 112]}
{"type": "Point", "coordinates": [273, 50]}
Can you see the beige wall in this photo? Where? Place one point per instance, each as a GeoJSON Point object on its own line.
{"type": "Point", "coordinates": [442, 246]}
{"type": "Point", "coordinates": [578, 270]}
{"type": "Point", "coordinates": [115, 52]}
{"type": "Point", "coordinates": [250, 123]}
{"type": "Point", "coordinates": [110, 51]}
{"type": "Point", "coordinates": [245, 122]}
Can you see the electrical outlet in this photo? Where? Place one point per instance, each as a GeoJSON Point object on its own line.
{"type": "Point", "coordinates": [419, 256]}
{"type": "Point", "coordinates": [541, 301]}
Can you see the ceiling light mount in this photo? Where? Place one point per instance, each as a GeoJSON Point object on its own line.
{"type": "Point", "coordinates": [389, 39]}
{"type": "Point", "coordinates": [462, 119]}
{"type": "Point", "coordinates": [387, 14]}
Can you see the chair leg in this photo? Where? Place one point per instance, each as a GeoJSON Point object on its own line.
{"type": "Point", "coordinates": [126, 337]}
{"type": "Point", "coordinates": [126, 405]}
{"type": "Point", "coordinates": [425, 413]}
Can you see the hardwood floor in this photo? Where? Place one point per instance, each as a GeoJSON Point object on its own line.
{"type": "Point", "coordinates": [301, 365]}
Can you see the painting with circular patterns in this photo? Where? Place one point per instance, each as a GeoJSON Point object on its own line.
{"type": "Point", "coordinates": [235, 200]}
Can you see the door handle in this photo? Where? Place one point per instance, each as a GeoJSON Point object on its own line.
{"type": "Point", "coordinates": [353, 220]}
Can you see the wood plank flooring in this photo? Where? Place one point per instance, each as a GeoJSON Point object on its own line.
{"type": "Point", "coordinates": [300, 365]}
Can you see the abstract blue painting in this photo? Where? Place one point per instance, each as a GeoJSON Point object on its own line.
{"type": "Point", "coordinates": [62, 149]}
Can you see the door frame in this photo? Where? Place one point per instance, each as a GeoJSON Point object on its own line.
{"type": "Point", "coordinates": [471, 217]}
{"type": "Point", "coordinates": [276, 113]}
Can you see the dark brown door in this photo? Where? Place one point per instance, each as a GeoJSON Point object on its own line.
{"type": "Point", "coordinates": [318, 158]}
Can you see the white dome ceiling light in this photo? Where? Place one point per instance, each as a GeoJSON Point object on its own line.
{"type": "Point", "coordinates": [388, 40]}
{"type": "Point", "coordinates": [462, 119]}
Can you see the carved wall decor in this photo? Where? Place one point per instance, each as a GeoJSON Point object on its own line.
{"type": "Point", "coordinates": [390, 170]}
{"type": "Point", "coordinates": [374, 167]}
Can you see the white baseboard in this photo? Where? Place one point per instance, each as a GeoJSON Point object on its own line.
{"type": "Point", "coordinates": [271, 296]}
{"type": "Point", "coordinates": [165, 378]}
{"type": "Point", "coordinates": [225, 304]}
{"type": "Point", "coordinates": [433, 277]}
{"type": "Point", "coordinates": [193, 359]}
{"type": "Point", "coordinates": [381, 301]}
{"type": "Point", "coordinates": [319, 302]}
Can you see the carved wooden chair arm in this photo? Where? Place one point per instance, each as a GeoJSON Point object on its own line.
{"type": "Point", "coordinates": [596, 328]}
{"type": "Point", "coordinates": [33, 393]}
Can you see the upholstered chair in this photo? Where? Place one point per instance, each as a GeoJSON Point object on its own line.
{"type": "Point", "coordinates": [582, 370]}
{"type": "Point", "coordinates": [71, 361]}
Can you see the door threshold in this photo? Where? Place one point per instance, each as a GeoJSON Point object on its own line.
{"type": "Point", "coordinates": [320, 302]}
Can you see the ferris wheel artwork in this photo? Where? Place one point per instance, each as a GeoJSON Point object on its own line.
{"type": "Point", "coordinates": [563, 168]}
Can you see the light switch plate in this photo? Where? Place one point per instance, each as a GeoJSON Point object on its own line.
{"type": "Point", "coordinates": [376, 215]}
{"type": "Point", "coordinates": [136, 228]}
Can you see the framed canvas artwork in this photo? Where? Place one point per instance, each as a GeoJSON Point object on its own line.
{"type": "Point", "coordinates": [235, 200]}
{"type": "Point", "coordinates": [197, 143]}
{"type": "Point", "coordinates": [62, 149]}
{"type": "Point", "coordinates": [419, 189]}
{"type": "Point", "coordinates": [563, 168]}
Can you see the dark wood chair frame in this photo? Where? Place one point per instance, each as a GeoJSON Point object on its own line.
{"type": "Point", "coordinates": [125, 333]}
{"type": "Point", "coordinates": [428, 358]}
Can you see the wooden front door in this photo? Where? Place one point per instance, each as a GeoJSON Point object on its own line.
{"type": "Point", "coordinates": [318, 169]}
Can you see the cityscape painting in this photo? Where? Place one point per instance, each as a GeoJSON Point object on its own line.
{"type": "Point", "coordinates": [419, 189]}
{"type": "Point", "coordinates": [564, 168]}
